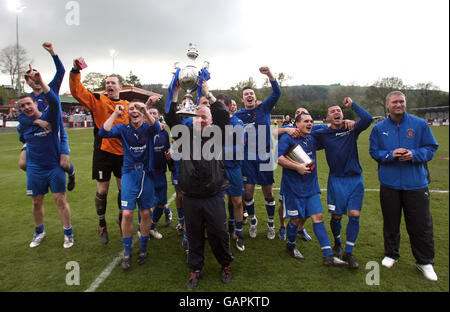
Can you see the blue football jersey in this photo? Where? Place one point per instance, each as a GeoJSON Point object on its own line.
{"type": "Point", "coordinates": [43, 148]}
{"type": "Point", "coordinates": [292, 182]}
{"type": "Point", "coordinates": [137, 144]}
{"type": "Point", "coordinates": [259, 116]}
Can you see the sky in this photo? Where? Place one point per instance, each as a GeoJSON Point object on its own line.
{"type": "Point", "coordinates": [320, 42]}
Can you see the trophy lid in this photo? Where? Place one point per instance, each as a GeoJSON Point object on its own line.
{"type": "Point", "coordinates": [192, 51]}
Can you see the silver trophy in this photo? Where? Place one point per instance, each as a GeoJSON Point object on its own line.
{"type": "Point", "coordinates": [297, 154]}
{"type": "Point", "coordinates": [187, 78]}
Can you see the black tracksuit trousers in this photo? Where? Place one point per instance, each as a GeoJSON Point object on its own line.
{"type": "Point", "coordinates": [209, 213]}
{"type": "Point", "coordinates": [418, 220]}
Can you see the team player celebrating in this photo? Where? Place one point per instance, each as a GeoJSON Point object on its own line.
{"type": "Point", "coordinates": [161, 146]}
{"type": "Point", "coordinates": [345, 190]}
{"type": "Point", "coordinates": [301, 192]}
{"type": "Point", "coordinates": [254, 169]}
{"type": "Point", "coordinates": [38, 96]}
{"type": "Point", "coordinates": [234, 173]}
{"type": "Point", "coordinates": [138, 185]}
{"type": "Point", "coordinates": [108, 153]}
{"type": "Point", "coordinates": [43, 160]}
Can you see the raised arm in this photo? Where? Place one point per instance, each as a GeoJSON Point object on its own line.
{"type": "Point", "coordinates": [55, 84]}
{"type": "Point", "coordinates": [54, 105]}
{"type": "Point", "coordinates": [272, 100]}
{"type": "Point", "coordinates": [365, 118]}
{"type": "Point", "coordinates": [78, 91]}
{"type": "Point", "coordinates": [119, 109]}
{"type": "Point", "coordinates": [172, 119]}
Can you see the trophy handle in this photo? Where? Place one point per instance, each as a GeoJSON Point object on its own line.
{"type": "Point", "coordinates": [206, 65]}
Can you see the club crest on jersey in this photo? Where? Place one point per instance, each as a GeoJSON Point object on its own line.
{"type": "Point", "coordinates": [411, 133]}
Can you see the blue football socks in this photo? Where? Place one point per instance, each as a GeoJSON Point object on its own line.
{"type": "Point", "coordinates": [291, 233]}
{"type": "Point", "coordinates": [127, 243]}
{"type": "Point", "coordinates": [322, 236]}
{"type": "Point", "coordinates": [352, 233]}
{"type": "Point", "coordinates": [336, 226]}
{"type": "Point", "coordinates": [270, 208]}
{"type": "Point", "coordinates": [39, 229]}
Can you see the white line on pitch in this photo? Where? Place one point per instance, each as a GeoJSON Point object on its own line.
{"type": "Point", "coordinates": [367, 190]}
{"type": "Point", "coordinates": [105, 273]}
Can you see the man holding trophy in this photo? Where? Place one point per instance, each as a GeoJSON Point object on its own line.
{"type": "Point", "coordinates": [301, 192]}
{"type": "Point", "coordinates": [201, 180]}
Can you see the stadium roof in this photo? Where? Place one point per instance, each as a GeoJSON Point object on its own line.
{"type": "Point", "coordinates": [130, 93]}
{"type": "Point", "coordinates": [67, 98]}
{"type": "Point", "coordinates": [431, 109]}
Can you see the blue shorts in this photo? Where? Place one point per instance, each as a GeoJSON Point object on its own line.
{"type": "Point", "coordinates": [252, 173]}
{"type": "Point", "coordinates": [301, 207]}
{"type": "Point", "coordinates": [138, 187]}
{"type": "Point", "coordinates": [38, 181]}
{"type": "Point", "coordinates": [345, 193]}
{"type": "Point", "coordinates": [160, 188]}
{"type": "Point", "coordinates": [236, 188]}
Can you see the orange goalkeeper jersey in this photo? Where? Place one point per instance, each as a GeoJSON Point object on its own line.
{"type": "Point", "coordinates": [101, 107]}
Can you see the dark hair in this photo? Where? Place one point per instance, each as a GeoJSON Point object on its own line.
{"type": "Point", "coordinates": [137, 100]}
{"type": "Point", "coordinates": [23, 96]}
{"type": "Point", "coordinates": [118, 78]}
{"type": "Point", "coordinates": [299, 116]}
{"type": "Point", "coordinates": [153, 107]}
{"type": "Point", "coordinates": [225, 98]}
{"type": "Point", "coordinates": [246, 88]}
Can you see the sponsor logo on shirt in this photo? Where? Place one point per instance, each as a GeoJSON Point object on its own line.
{"type": "Point", "coordinates": [411, 133]}
{"type": "Point", "coordinates": [343, 133]}
{"type": "Point", "coordinates": [138, 149]}
{"type": "Point", "coordinates": [40, 134]}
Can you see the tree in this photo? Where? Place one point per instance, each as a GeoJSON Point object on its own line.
{"type": "Point", "coordinates": [236, 90]}
{"type": "Point", "coordinates": [425, 94]}
{"type": "Point", "coordinates": [8, 63]}
{"type": "Point", "coordinates": [93, 81]}
{"type": "Point", "coordinates": [281, 77]}
{"type": "Point", "coordinates": [377, 92]}
{"type": "Point", "coordinates": [133, 80]}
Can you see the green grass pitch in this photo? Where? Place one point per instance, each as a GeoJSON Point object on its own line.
{"type": "Point", "coordinates": [263, 267]}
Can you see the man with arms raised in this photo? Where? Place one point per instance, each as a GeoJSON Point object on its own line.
{"type": "Point", "coordinates": [345, 189]}
{"type": "Point", "coordinates": [138, 182]}
{"type": "Point", "coordinates": [39, 97]}
{"type": "Point", "coordinates": [301, 192]}
{"type": "Point", "coordinates": [43, 160]}
{"type": "Point", "coordinates": [108, 153]}
{"type": "Point", "coordinates": [254, 169]}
